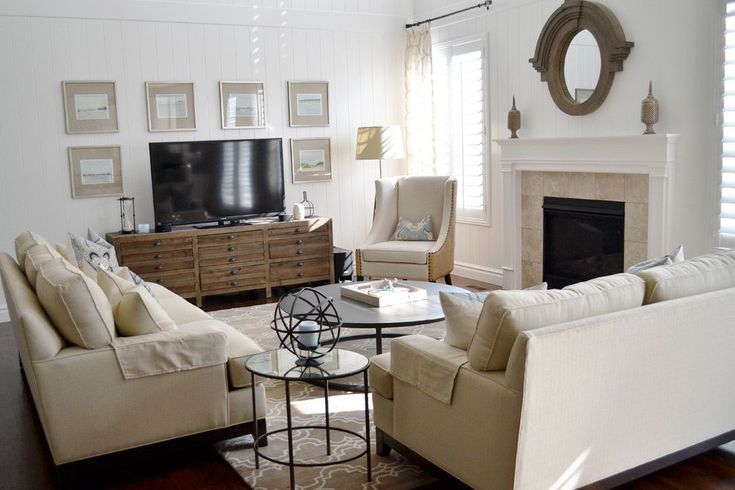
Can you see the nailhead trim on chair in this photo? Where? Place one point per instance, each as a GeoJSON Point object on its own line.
{"type": "Point", "coordinates": [450, 233]}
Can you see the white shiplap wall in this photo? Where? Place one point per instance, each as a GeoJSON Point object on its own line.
{"type": "Point", "coordinates": [677, 45]}
{"type": "Point", "coordinates": [356, 45]}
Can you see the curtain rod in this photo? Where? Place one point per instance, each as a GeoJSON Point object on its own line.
{"type": "Point", "coordinates": [485, 4]}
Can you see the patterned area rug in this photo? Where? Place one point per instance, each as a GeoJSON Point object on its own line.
{"type": "Point", "coordinates": [307, 408]}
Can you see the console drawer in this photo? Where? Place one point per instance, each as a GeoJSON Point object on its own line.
{"type": "Point", "coordinates": [156, 244]}
{"type": "Point", "coordinates": [228, 238]}
{"type": "Point", "coordinates": [178, 264]}
{"type": "Point", "coordinates": [306, 246]}
{"type": "Point", "coordinates": [299, 270]}
{"type": "Point", "coordinates": [232, 277]}
{"type": "Point", "coordinates": [178, 282]}
{"type": "Point", "coordinates": [297, 229]}
{"type": "Point", "coordinates": [254, 250]}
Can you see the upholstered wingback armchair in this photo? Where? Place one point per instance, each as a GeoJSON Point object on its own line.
{"type": "Point", "coordinates": [411, 198]}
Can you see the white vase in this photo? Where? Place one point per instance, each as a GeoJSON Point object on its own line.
{"type": "Point", "coordinates": [298, 211]}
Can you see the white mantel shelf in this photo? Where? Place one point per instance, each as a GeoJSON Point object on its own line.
{"type": "Point", "coordinates": [654, 155]}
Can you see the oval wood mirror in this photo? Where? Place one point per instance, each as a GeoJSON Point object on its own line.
{"type": "Point", "coordinates": [579, 50]}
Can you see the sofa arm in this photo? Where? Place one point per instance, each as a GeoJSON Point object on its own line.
{"type": "Point", "coordinates": [427, 364]}
{"type": "Point", "coordinates": [170, 351]}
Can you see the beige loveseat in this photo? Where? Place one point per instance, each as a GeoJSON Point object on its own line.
{"type": "Point", "coordinates": [561, 389]}
{"type": "Point", "coordinates": [137, 390]}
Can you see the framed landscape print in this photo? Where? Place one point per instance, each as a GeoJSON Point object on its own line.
{"type": "Point", "coordinates": [308, 104]}
{"type": "Point", "coordinates": [170, 106]}
{"type": "Point", "coordinates": [90, 106]}
{"type": "Point", "coordinates": [96, 171]}
{"type": "Point", "coordinates": [311, 160]}
{"type": "Point", "coordinates": [242, 104]}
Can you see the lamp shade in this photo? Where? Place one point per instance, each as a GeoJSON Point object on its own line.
{"type": "Point", "coordinates": [380, 143]}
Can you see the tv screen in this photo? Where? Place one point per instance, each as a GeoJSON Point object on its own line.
{"type": "Point", "coordinates": [204, 181]}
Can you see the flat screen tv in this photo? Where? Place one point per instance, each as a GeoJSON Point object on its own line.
{"type": "Point", "coordinates": [224, 180]}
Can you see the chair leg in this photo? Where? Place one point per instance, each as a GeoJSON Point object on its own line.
{"type": "Point", "coordinates": [360, 278]}
{"type": "Point", "coordinates": [448, 279]}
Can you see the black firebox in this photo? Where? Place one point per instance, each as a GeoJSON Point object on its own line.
{"type": "Point", "coordinates": [583, 239]}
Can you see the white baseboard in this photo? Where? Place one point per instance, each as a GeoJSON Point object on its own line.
{"type": "Point", "coordinates": [488, 275]}
{"type": "Point", "coordinates": [4, 314]}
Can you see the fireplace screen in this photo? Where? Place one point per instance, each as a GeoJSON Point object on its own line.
{"type": "Point", "coordinates": [583, 239]}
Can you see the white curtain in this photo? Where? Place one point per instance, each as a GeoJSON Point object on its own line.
{"type": "Point", "coordinates": [419, 102]}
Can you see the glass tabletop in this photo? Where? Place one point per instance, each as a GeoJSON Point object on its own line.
{"type": "Point", "coordinates": [281, 364]}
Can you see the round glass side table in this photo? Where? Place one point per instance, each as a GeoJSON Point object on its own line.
{"type": "Point", "coordinates": [280, 364]}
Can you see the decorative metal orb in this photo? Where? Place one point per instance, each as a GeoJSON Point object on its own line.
{"type": "Point", "coordinates": [307, 325]}
{"type": "Point", "coordinates": [308, 207]}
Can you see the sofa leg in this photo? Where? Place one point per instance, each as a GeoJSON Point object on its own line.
{"type": "Point", "coordinates": [262, 429]}
{"type": "Point", "coordinates": [448, 279]}
{"type": "Point", "coordinates": [381, 448]}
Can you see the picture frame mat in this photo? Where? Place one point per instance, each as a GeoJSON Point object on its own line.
{"type": "Point", "coordinates": [72, 88]}
{"type": "Point", "coordinates": [255, 88]}
{"type": "Point", "coordinates": [156, 123]}
{"type": "Point", "coordinates": [95, 154]}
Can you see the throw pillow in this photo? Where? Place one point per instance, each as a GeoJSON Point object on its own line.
{"type": "Point", "coordinates": [138, 313]}
{"type": "Point", "coordinates": [35, 257]}
{"type": "Point", "coordinates": [24, 242]}
{"type": "Point", "coordinates": [673, 258]}
{"type": "Point", "coordinates": [461, 313]}
{"type": "Point", "coordinates": [91, 256]}
{"type": "Point", "coordinates": [115, 284]}
{"type": "Point", "coordinates": [409, 231]}
{"type": "Point", "coordinates": [75, 304]}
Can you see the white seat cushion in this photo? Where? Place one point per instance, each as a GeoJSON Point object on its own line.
{"type": "Point", "coordinates": [381, 380]}
{"type": "Point", "coordinates": [179, 309]}
{"type": "Point", "coordinates": [397, 252]}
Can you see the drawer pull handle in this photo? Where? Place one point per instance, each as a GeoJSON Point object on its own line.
{"type": "Point", "coordinates": [234, 271]}
{"type": "Point", "coordinates": [230, 237]}
{"type": "Point", "coordinates": [232, 259]}
{"type": "Point", "coordinates": [299, 242]}
{"type": "Point", "coordinates": [159, 281]}
{"type": "Point", "coordinates": [157, 256]}
{"type": "Point", "coordinates": [157, 243]}
{"type": "Point", "coordinates": [299, 252]}
{"type": "Point", "coordinates": [159, 267]}
{"type": "Point", "coordinates": [231, 248]}
{"type": "Point", "coordinates": [299, 230]}
{"type": "Point", "coordinates": [234, 283]}
{"type": "Point", "coordinates": [300, 264]}
{"type": "Point", "coordinates": [300, 274]}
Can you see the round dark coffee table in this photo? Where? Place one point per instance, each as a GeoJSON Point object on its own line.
{"type": "Point", "coordinates": [359, 315]}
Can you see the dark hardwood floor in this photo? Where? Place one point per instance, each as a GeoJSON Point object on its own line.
{"type": "Point", "coordinates": [26, 464]}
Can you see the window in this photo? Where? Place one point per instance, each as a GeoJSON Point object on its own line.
{"type": "Point", "coordinates": [459, 123]}
{"type": "Point", "coordinates": [727, 199]}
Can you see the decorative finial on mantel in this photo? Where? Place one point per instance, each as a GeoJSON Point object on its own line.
{"type": "Point", "coordinates": [514, 120]}
{"type": "Point", "coordinates": [649, 110]}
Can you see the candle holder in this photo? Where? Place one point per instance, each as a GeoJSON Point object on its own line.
{"type": "Point", "coordinates": [127, 214]}
{"type": "Point", "coordinates": [307, 325]}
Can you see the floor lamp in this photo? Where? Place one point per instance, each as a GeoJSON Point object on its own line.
{"type": "Point", "coordinates": [380, 143]}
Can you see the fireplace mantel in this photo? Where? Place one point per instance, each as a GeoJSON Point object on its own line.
{"type": "Point", "coordinates": [653, 155]}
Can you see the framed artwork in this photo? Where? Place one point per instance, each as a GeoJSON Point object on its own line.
{"type": "Point", "coordinates": [308, 104]}
{"type": "Point", "coordinates": [170, 106]}
{"type": "Point", "coordinates": [242, 104]}
{"type": "Point", "coordinates": [96, 171]}
{"type": "Point", "coordinates": [90, 107]}
{"type": "Point", "coordinates": [311, 160]}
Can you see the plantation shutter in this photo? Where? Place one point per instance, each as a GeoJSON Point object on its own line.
{"type": "Point", "coordinates": [459, 122]}
{"type": "Point", "coordinates": [727, 201]}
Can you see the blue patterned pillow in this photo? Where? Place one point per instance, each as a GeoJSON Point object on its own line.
{"type": "Point", "coordinates": [408, 231]}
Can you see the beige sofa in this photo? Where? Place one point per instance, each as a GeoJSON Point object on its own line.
{"type": "Point", "coordinates": [138, 390]}
{"type": "Point", "coordinates": [562, 389]}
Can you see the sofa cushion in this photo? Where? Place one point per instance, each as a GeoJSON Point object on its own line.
{"type": "Point", "coordinates": [381, 381]}
{"type": "Point", "coordinates": [75, 304]}
{"type": "Point", "coordinates": [35, 257]}
{"type": "Point", "coordinates": [24, 242]}
{"type": "Point", "coordinates": [397, 252]}
{"type": "Point", "coordinates": [507, 313]}
{"type": "Point", "coordinates": [695, 276]}
{"type": "Point", "coordinates": [90, 256]}
{"type": "Point", "coordinates": [462, 311]}
{"type": "Point", "coordinates": [138, 313]}
{"type": "Point", "coordinates": [115, 284]}
{"type": "Point", "coordinates": [673, 258]}
{"type": "Point", "coordinates": [179, 309]}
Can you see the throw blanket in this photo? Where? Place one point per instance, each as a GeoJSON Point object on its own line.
{"type": "Point", "coordinates": [427, 364]}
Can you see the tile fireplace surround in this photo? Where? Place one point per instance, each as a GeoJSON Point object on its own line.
{"type": "Point", "coordinates": [637, 170]}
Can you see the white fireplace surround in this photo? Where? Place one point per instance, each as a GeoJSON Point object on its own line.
{"type": "Point", "coordinates": [653, 155]}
